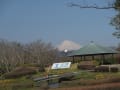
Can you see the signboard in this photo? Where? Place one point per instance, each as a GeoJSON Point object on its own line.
{"type": "Point", "coordinates": [61, 65]}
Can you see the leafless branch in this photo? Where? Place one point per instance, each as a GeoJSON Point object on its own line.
{"type": "Point", "coordinates": [91, 6]}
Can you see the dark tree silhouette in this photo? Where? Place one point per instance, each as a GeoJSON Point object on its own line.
{"type": "Point", "coordinates": [115, 21]}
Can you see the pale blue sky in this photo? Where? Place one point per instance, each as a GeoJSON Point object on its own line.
{"type": "Point", "coordinates": [52, 21]}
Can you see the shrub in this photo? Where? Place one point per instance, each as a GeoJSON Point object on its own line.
{"type": "Point", "coordinates": [99, 76]}
{"type": "Point", "coordinates": [96, 62]}
{"type": "Point", "coordinates": [107, 62]}
{"type": "Point", "coordinates": [86, 65]}
{"type": "Point", "coordinates": [102, 69]}
{"type": "Point", "coordinates": [114, 69]}
{"type": "Point", "coordinates": [41, 69]}
{"type": "Point", "coordinates": [66, 77]}
{"type": "Point", "coordinates": [21, 71]}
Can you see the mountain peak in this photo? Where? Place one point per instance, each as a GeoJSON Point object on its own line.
{"type": "Point", "coordinates": [68, 45]}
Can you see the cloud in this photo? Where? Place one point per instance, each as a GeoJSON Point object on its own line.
{"type": "Point", "coordinates": [69, 45]}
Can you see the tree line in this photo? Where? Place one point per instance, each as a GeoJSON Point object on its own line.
{"type": "Point", "coordinates": [14, 54]}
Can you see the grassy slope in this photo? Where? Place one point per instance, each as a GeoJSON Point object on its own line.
{"type": "Point", "coordinates": [27, 84]}
{"type": "Point", "coordinates": [84, 78]}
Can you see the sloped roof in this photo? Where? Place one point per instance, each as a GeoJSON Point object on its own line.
{"type": "Point", "coordinates": [92, 49]}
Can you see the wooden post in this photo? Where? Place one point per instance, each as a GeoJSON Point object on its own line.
{"type": "Point", "coordinates": [84, 58]}
{"type": "Point", "coordinates": [93, 57]}
{"type": "Point", "coordinates": [103, 58]}
{"type": "Point", "coordinates": [81, 58]}
{"type": "Point", "coordinates": [73, 60]}
{"type": "Point", "coordinates": [113, 56]}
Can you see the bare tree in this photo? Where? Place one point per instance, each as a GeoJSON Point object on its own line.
{"type": "Point", "coordinates": [42, 53]}
{"type": "Point", "coordinates": [13, 54]}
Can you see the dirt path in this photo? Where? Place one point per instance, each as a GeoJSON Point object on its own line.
{"type": "Point", "coordinates": [94, 87]}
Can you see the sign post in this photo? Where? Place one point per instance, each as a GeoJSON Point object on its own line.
{"type": "Point", "coordinates": [62, 65]}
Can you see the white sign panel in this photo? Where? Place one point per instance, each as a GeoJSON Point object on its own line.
{"type": "Point", "coordinates": [61, 65]}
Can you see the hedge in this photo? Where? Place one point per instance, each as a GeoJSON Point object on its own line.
{"type": "Point", "coordinates": [19, 72]}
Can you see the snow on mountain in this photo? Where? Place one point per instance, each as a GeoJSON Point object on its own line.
{"type": "Point", "coordinates": [68, 45]}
